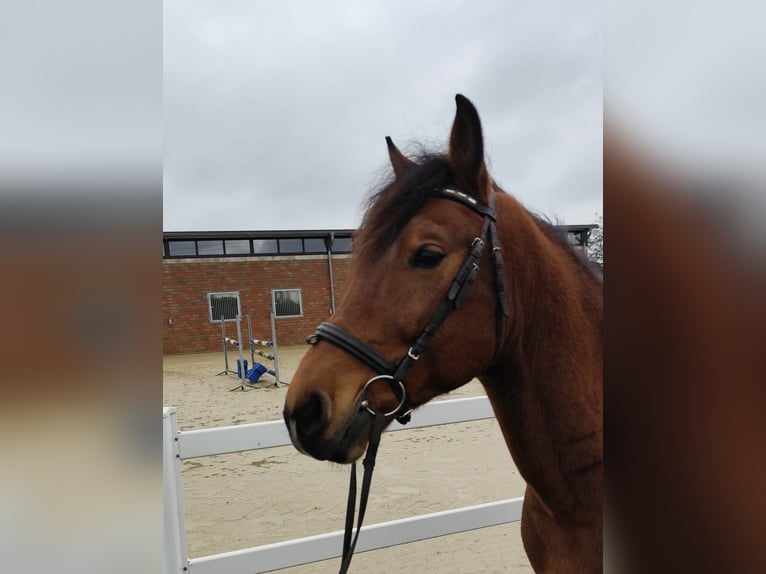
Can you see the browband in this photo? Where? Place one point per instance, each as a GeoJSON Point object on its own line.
{"type": "Point", "coordinates": [484, 209]}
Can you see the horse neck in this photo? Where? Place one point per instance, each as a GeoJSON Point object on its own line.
{"type": "Point", "coordinates": [546, 388]}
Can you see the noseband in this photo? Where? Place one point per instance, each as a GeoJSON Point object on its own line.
{"type": "Point", "coordinates": [395, 371]}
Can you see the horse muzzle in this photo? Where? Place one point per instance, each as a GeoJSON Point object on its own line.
{"type": "Point", "coordinates": [308, 425]}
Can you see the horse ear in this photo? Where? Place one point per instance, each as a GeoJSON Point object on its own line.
{"type": "Point", "coordinates": [466, 150]}
{"type": "Point", "coordinates": [398, 161]}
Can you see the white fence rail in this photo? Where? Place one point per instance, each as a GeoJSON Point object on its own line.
{"type": "Point", "coordinates": [178, 446]}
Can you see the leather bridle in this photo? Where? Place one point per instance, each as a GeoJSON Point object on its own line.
{"type": "Point", "coordinates": [395, 371]}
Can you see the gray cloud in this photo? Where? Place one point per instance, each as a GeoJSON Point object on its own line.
{"type": "Point", "coordinates": [275, 113]}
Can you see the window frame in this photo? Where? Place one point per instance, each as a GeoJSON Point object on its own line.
{"type": "Point", "coordinates": [210, 243]}
{"type": "Point", "coordinates": [210, 305]}
{"type": "Point", "coordinates": [308, 251]}
{"type": "Point", "coordinates": [340, 251]}
{"type": "Point", "coordinates": [231, 251]}
{"type": "Point", "coordinates": [283, 242]}
{"type": "Point", "coordinates": [257, 242]}
{"type": "Point", "coordinates": [172, 242]}
{"type": "Point", "coordinates": [274, 302]}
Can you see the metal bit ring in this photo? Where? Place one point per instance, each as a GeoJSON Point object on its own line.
{"type": "Point", "coordinates": [366, 404]}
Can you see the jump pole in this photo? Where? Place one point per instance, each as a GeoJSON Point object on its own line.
{"type": "Point", "coordinates": [242, 373]}
{"type": "Point", "coordinates": [253, 352]}
{"type": "Point", "coordinates": [225, 350]}
{"type": "Point", "coordinates": [274, 341]}
{"type": "Point", "coordinates": [250, 340]}
{"type": "Point", "coordinates": [271, 357]}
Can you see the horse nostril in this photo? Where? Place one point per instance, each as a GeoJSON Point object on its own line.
{"type": "Point", "coordinates": [310, 417]}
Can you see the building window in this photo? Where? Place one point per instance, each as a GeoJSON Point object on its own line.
{"type": "Point", "coordinates": [291, 246]}
{"type": "Point", "coordinates": [264, 245]}
{"type": "Point", "coordinates": [314, 245]}
{"type": "Point", "coordinates": [341, 245]}
{"type": "Point", "coordinates": [182, 248]}
{"type": "Point", "coordinates": [223, 306]}
{"type": "Point", "coordinates": [237, 246]}
{"type": "Point", "coordinates": [287, 302]}
{"type": "Point", "coordinates": [210, 247]}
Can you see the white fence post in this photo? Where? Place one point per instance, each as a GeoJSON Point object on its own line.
{"type": "Point", "coordinates": [176, 558]}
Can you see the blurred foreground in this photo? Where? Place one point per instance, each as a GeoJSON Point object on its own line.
{"type": "Point", "coordinates": [80, 253]}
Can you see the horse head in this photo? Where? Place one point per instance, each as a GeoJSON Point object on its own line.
{"type": "Point", "coordinates": [410, 249]}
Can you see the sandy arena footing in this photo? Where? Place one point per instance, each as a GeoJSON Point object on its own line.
{"type": "Point", "coordinates": [247, 499]}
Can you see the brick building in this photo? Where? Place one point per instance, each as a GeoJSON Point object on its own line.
{"type": "Point", "coordinates": [206, 275]}
{"type": "Point", "coordinates": [299, 275]}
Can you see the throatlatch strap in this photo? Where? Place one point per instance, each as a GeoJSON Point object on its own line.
{"type": "Point", "coordinates": [501, 303]}
{"type": "Point", "coordinates": [497, 261]}
{"type": "Point", "coordinates": [369, 466]}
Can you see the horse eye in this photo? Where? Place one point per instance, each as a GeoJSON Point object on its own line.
{"type": "Point", "coordinates": [426, 258]}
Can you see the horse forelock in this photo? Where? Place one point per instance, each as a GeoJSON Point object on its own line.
{"type": "Point", "coordinates": [397, 200]}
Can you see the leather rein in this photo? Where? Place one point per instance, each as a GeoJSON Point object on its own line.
{"type": "Point", "coordinates": [395, 371]}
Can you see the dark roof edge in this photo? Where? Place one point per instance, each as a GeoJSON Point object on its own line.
{"type": "Point", "coordinates": [279, 234]}
{"type": "Point", "coordinates": [578, 227]}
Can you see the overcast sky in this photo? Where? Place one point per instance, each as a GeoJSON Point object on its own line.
{"type": "Point", "coordinates": [275, 113]}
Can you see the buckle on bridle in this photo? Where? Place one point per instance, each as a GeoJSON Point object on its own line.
{"type": "Point", "coordinates": [365, 404]}
{"type": "Point", "coordinates": [412, 355]}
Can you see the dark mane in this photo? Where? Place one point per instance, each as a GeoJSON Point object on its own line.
{"type": "Point", "coordinates": [396, 202]}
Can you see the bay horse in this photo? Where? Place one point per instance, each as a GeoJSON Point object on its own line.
{"type": "Point", "coordinates": [421, 289]}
